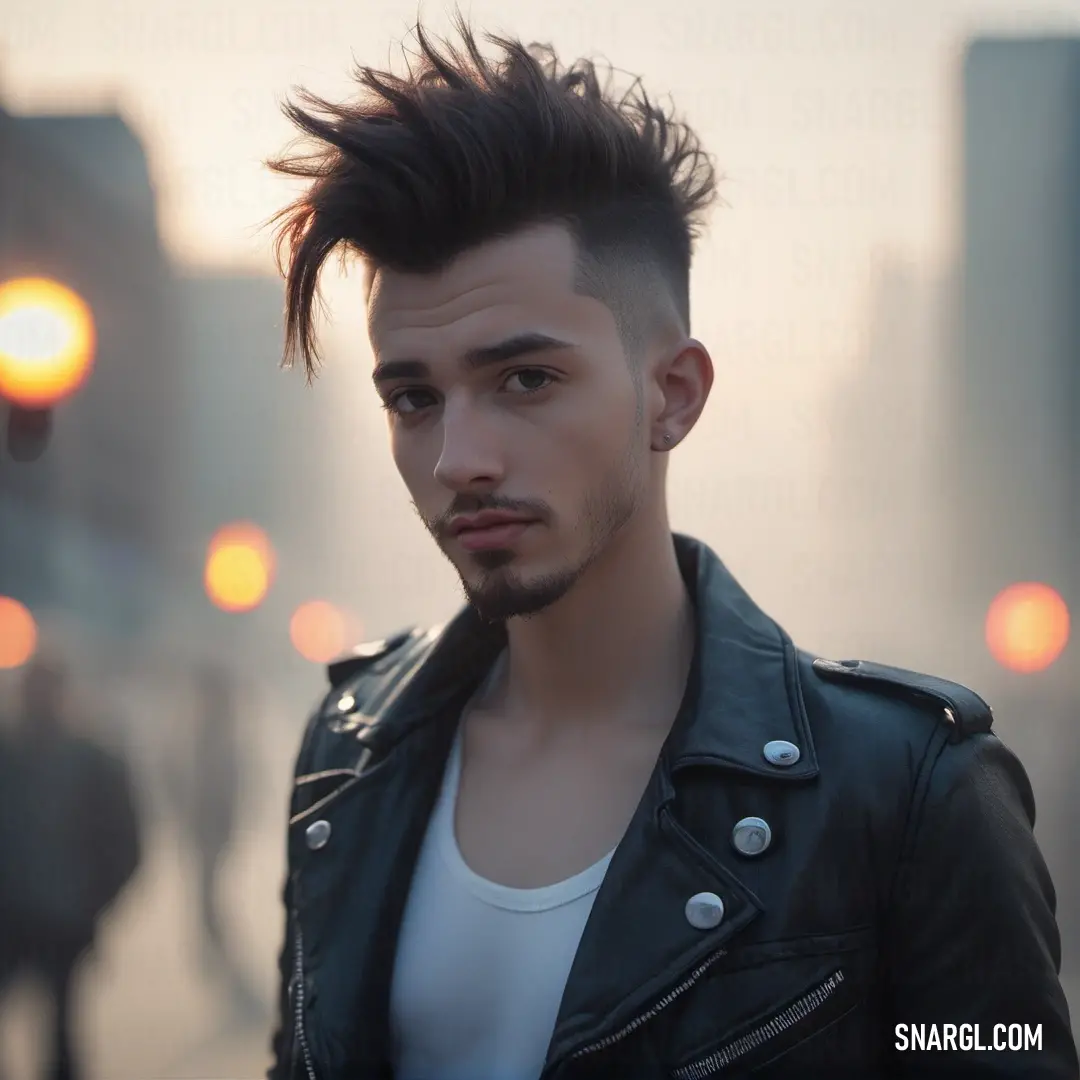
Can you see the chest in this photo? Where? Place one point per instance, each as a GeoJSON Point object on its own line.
{"type": "Point", "coordinates": [480, 969]}
{"type": "Point", "coordinates": [530, 812]}
{"type": "Point", "coordinates": [647, 993]}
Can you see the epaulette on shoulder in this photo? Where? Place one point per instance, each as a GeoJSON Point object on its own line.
{"type": "Point", "coordinates": [363, 656]}
{"type": "Point", "coordinates": [960, 706]}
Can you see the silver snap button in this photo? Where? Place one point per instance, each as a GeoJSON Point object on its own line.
{"type": "Point", "coordinates": [346, 702]}
{"type": "Point", "coordinates": [317, 834]}
{"type": "Point", "coordinates": [782, 753]}
{"type": "Point", "coordinates": [751, 836]}
{"type": "Point", "coordinates": [704, 910]}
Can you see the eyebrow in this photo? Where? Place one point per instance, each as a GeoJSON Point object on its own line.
{"type": "Point", "coordinates": [482, 356]}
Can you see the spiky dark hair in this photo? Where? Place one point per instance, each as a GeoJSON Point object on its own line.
{"type": "Point", "coordinates": [464, 149]}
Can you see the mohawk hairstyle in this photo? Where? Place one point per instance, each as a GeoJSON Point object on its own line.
{"type": "Point", "coordinates": [464, 150]}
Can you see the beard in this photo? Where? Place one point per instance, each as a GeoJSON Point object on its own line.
{"type": "Point", "coordinates": [500, 592]}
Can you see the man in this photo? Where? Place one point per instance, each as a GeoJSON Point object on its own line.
{"type": "Point", "coordinates": [204, 775]}
{"type": "Point", "coordinates": [609, 822]}
{"type": "Point", "coordinates": [69, 844]}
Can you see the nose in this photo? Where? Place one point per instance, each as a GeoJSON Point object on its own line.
{"type": "Point", "coordinates": [471, 460]}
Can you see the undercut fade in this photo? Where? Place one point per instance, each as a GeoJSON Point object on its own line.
{"type": "Point", "coordinates": [464, 149]}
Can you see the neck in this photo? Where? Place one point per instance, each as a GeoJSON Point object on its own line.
{"type": "Point", "coordinates": [616, 648]}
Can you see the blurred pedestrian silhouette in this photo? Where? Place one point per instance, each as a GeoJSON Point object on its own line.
{"type": "Point", "coordinates": [205, 781]}
{"type": "Point", "coordinates": [69, 843]}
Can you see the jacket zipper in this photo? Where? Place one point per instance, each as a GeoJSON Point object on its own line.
{"type": "Point", "coordinates": [298, 1005]}
{"type": "Point", "coordinates": [663, 1003]}
{"type": "Point", "coordinates": [758, 1036]}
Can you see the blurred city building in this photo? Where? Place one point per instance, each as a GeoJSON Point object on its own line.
{"type": "Point", "coordinates": [1014, 405]}
{"type": "Point", "coordinates": [87, 530]}
{"type": "Point", "coordinates": [958, 459]}
{"type": "Point", "coordinates": [185, 423]}
{"type": "Point", "coordinates": [1015, 395]}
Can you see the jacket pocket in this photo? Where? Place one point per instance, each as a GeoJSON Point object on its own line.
{"type": "Point", "coordinates": [776, 1032]}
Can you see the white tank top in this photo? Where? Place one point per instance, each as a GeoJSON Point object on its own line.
{"type": "Point", "coordinates": [480, 968]}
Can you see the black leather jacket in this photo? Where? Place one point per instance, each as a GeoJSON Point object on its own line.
{"type": "Point", "coordinates": [901, 886]}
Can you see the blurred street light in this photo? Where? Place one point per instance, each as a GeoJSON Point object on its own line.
{"type": "Point", "coordinates": [239, 567]}
{"type": "Point", "coordinates": [1027, 627]}
{"type": "Point", "coordinates": [18, 633]}
{"type": "Point", "coordinates": [318, 631]}
{"type": "Point", "coordinates": [47, 341]}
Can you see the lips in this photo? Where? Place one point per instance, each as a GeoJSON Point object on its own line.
{"type": "Point", "coordinates": [487, 532]}
{"type": "Point", "coordinates": [488, 519]}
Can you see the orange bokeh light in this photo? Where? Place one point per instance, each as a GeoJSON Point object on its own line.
{"type": "Point", "coordinates": [47, 342]}
{"type": "Point", "coordinates": [18, 633]}
{"type": "Point", "coordinates": [1027, 627]}
{"type": "Point", "coordinates": [239, 567]}
{"type": "Point", "coordinates": [318, 631]}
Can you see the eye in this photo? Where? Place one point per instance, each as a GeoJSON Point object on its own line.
{"type": "Point", "coordinates": [409, 400]}
{"type": "Point", "coordinates": [529, 380]}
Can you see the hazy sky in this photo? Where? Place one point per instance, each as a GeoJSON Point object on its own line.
{"type": "Point", "coordinates": [835, 124]}
{"type": "Point", "coordinates": [827, 117]}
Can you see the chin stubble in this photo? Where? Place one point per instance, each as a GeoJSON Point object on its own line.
{"type": "Point", "coordinates": [501, 595]}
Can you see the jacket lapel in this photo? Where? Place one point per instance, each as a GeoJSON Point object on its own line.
{"type": "Point", "coordinates": [639, 949]}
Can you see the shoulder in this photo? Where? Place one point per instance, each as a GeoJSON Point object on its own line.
{"type": "Point", "coordinates": [360, 682]}
{"type": "Point", "coordinates": [884, 726]}
{"type": "Point", "coordinates": [368, 656]}
{"type": "Point", "coordinates": [917, 702]}
{"type": "Point", "coordinates": [911, 742]}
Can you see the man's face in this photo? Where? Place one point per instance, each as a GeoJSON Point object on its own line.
{"type": "Point", "coordinates": [515, 420]}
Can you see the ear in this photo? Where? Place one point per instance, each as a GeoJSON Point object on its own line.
{"type": "Point", "coordinates": [681, 384]}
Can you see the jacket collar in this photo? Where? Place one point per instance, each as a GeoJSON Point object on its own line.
{"type": "Point", "coordinates": [742, 692]}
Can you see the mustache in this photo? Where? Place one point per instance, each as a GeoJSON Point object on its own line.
{"type": "Point", "coordinates": [439, 525]}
